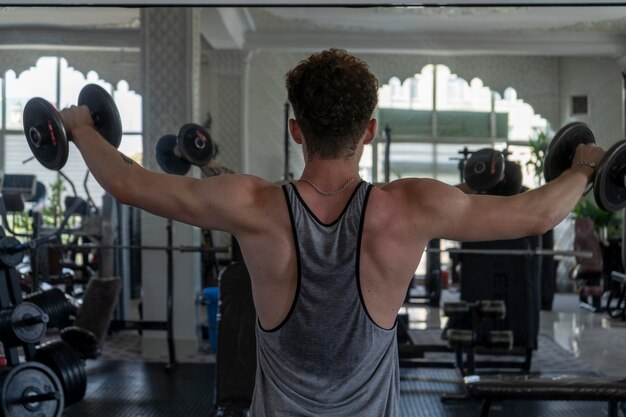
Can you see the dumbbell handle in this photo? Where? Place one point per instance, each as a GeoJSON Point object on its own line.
{"type": "Point", "coordinates": [33, 320]}
{"type": "Point", "coordinates": [38, 398]}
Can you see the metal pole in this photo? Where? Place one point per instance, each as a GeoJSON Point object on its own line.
{"type": "Point", "coordinates": [517, 252]}
{"type": "Point", "coordinates": [286, 174]}
{"type": "Point", "coordinates": [170, 298]}
{"type": "Point", "coordinates": [387, 152]}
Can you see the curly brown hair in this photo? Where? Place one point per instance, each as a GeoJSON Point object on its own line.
{"type": "Point", "coordinates": [333, 95]}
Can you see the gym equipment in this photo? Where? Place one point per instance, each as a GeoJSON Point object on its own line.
{"type": "Point", "coordinates": [495, 309]}
{"type": "Point", "coordinates": [65, 362]}
{"type": "Point", "coordinates": [83, 341]}
{"type": "Point", "coordinates": [484, 169]}
{"type": "Point", "coordinates": [511, 183]}
{"type": "Point", "coordinates": [456, 308]}
{"type": "Point", "coordinates": [562, 148]}
{"type": "Point", "coordinates": [30, 390]}
{"type": "Point", "coordinates": [194, 145]}
{"type": "Point", "coordinates": [515, 252]}
{"type": "Point", "coordinates": [492, 388]}
{"type": "Point", "coordinates": [499, 339]}
{"type": "Point", "coordinates": [609, 184]}
{"type": "Point", "coordinates": [22, 323]}
{"type": "Point", "coordinates": [47, 136]}
{"type": "Point", "coordinates": [23, 184]}
{"type": "Point", "coordinates": [460, 338]}
{"type": "Point", "coordinates": [55, 304]}
{"type": "Point", "coordinates": [93, 317]}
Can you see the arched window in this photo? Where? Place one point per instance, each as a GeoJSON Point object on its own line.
{"type": "Point", "coordinates": [435, 114]}
{"type": "Point", "coordinates": [55, 80]}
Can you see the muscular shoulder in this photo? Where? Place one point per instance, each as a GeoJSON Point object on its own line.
{"type": "Point", "coordinates": [413, 190]}
{"type": "Point", "coordinates": [424, 201]}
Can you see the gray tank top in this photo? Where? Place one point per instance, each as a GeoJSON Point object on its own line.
{"type": "Point", "coordinates": [327, 358]}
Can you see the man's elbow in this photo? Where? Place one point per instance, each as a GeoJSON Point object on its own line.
{"type": "Point", "coordinates": [543, 223]}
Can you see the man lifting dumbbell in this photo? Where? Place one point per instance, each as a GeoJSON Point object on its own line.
{"type": "Point", "coordinates": [330, 257]}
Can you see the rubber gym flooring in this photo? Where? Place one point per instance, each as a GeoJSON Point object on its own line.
{"type": "Point", "coordinates": [125, 389]}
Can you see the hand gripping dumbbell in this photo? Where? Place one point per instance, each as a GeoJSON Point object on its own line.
{"type": "Point", "coordinates": [609, 184]}
{"type": "Point", "coordinates": [488, 171]}
{"type": "Point", "coordinates": [192, 146]}
{"type": "Point", "coordinates": [47, 136]}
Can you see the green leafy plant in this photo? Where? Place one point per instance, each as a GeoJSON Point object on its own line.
{"type": "Point", "coordinates": [53, 211]}
{"type": "Point", "coordinates": [607, 225]}
{"type": "Point", "coordinates": [538, 145]}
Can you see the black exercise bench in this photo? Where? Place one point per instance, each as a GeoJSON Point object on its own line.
{"type": "Point", "coordinates": [543, 388]}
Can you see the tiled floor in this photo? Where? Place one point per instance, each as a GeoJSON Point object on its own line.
{"type": "Point", "coordinates": [594, 338]}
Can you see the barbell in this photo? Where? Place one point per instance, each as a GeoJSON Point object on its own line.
{"type": "Point", "coordinates": [48, 137]}
{"type": "Point", "coordinates": [516, 252]}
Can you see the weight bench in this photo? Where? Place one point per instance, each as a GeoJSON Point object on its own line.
{"type": "Point", "coordinates": [557, 388]}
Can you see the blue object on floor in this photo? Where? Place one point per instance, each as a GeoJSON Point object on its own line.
{"type": "Point", "coordinates": [212, 297]}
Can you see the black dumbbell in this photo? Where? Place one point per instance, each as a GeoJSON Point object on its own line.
{"type": "Point", "coordinates": [46, 135]}
{"type": "Point", "coordinates": [65, 362]}
{"type": "Point", "coordinates": [488, 171]}
{"type": "Point", "coordinates": [457, 309]}
{"type": "Point", "coordinates": [461, 338]}
{"type": "Point", "coordinates": [499, 339]}
{"type": "Point", "coordinates": [609, 185]}
{"type": "Point", "coordinates": [192, 146]}
{"type": "Point", "coordinates": [494, 309]}
{"type": "Point", "coordinates": [30, 389]}
{"type": "Point", "coordinates": [56, 305]}
{"type": "Point", "coordinates": [22, 323]}
{"type": "Point", "coordinates": [484, 169]}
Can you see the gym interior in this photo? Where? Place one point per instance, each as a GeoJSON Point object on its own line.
{"type": "Point", "coordinates": [106, 308]}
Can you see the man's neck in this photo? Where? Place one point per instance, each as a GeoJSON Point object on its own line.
{"type": "Point", "coordinates": [330, 173]}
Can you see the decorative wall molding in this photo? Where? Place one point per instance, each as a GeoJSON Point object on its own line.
{"type": "Point", "coordinates": [111, 66]}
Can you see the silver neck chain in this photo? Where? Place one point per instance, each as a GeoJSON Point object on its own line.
{"type": "Point", "coordinates": [329, 193]}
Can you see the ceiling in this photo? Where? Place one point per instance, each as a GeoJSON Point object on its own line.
{"type": "Point", "coordinates": [563, 30]}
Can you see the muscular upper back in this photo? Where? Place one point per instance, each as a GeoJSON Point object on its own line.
{"type": "Point", "coordinates": [391, 248]}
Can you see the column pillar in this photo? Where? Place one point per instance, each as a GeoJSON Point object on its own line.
{"type": "Point", "coordinates": [170, 64]}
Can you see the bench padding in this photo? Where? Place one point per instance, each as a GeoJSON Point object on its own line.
{"type": "Point", "coordinates": [557, 388]}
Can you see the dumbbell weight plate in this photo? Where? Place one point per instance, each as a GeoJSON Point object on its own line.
{"type": "Point", "coordinates": [484, 169]}
{"type": "Point", "coordinates": [7, 256]}
{"type": "Point", "coordinates": [29, 333]}
{"type": "Point", "coordinates": [608, 186]}
{"type": "Point", "coordinates": [66, 364]}
{"type": "Point", "coordinates": [562, 148]}
{"type": "Point", "coordinates": [106, 117]}
{"type": "Point", "coordinates": [27, 380]}
{"type": "Point", "coordinates": [166, 159]}
{"type": "Point", "coordinates": [195, 144]}
{"type": "Point", "coordinates": [511, 184]}
{"type": "Point", "coordinates": [45, 133]}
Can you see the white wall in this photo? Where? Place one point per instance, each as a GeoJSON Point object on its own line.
{"type": "Point", "coordinates": [542, 82]}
